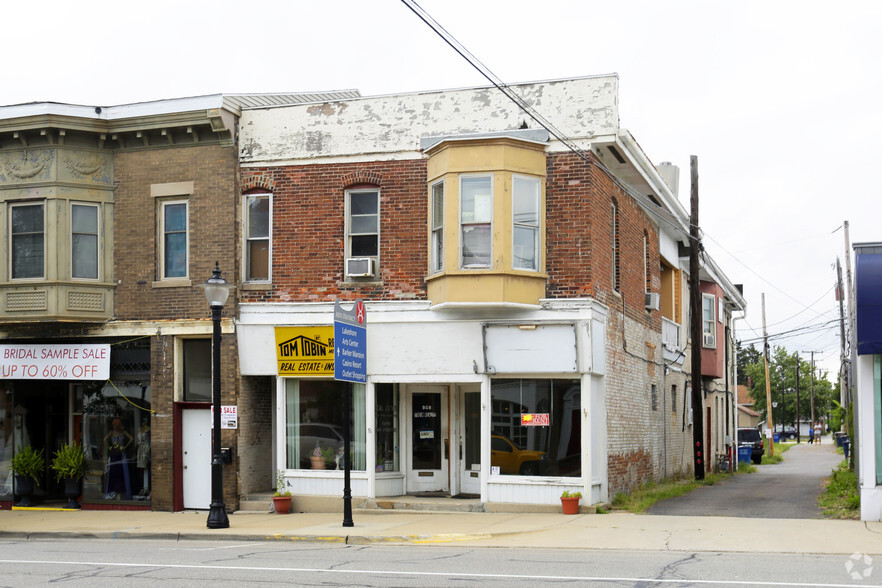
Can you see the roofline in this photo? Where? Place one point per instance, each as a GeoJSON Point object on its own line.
{"type": "Point", "coordinates": [122, 111]}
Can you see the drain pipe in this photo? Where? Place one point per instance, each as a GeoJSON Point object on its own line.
{"type": "Point", "coordinates": [734, 459]}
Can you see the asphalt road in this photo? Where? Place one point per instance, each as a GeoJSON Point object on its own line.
{"type": "Point", "coordinates": [786, 490]}
{"type": "Point", "coordinates": [185, 564]}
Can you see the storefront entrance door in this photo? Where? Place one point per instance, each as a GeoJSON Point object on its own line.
{"type": "Point", "coordinates": [428, 430]}
{"type": "Point", "coordinates": [196, 450]}
{"type": "Point", "coordinates": [469, 440]}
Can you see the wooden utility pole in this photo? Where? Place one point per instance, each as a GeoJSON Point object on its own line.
{"type": "Point", "coordinates": [770, 422]}
{"type": "Point", "coordinates": [843, 346]}
{"type": "Point", "coordinates": [698, 456]}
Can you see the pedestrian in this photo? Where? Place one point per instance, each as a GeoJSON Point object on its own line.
{"type": "Point", "coordinates": [818, 432]}
{"type": "Point", "coordinates": [811, 434]}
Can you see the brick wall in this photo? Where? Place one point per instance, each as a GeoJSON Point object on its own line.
{"type": "Point", "coordinates": [213, 225]}
{"type": "Point", "coordinates": [308, 230]}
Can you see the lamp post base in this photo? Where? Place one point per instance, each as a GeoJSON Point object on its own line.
{"type": "Point", "coordinates": [217, 516]}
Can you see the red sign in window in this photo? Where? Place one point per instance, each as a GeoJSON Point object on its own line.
{"type": "Point", "coordinates": [531, 419]}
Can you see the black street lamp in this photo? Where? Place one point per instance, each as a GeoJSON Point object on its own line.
{"type": "Point", "coordinates": [216, 292]}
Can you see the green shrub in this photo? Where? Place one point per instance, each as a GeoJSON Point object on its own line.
{"type": "Point", "coordinates": [28, 462]}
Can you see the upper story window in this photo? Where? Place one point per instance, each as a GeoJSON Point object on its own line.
{"type": "Point", "coordinates": [258, 223]}
{"type": "Point", "coordinates": [708, 320]}
{"type": "Point", "coordinates": [27, 247]}
{"type": "Point", "coordinates": [362, 232]}
{"type": "Point", "coordinates": [476, 221]}
{"type": "Point", "coordinates": [437, 252]}
{"type": "Point", "coordinates": [647, 266]}
{"type": "Point", "coordinates": [196, 372]}
{"type": "Point", "coordinates": [174, 223]}
{"type": "Point", "coordinates": [525, 195]}
{"type": "Point", "coordinates": [616, 261]}
{"type": "Point", "coordinates": [84, 241]}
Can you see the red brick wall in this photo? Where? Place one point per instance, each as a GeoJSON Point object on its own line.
{"type": "Point", "coordinates": [308, 230]}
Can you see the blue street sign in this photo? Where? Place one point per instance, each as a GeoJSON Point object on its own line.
{"type": "Point", "coordinates": [350, 343]}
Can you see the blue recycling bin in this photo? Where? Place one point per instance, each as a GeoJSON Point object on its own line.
{"type": "Point", "coordinates": [776, 438]}
{"type": "Point", "coordinates": [744, 454]}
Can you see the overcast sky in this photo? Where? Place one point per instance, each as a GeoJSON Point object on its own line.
{"type": "Point", "coordinates": [779, 100]}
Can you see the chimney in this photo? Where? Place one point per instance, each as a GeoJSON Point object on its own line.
{"type": "Point", "coordinates": [670, 173]}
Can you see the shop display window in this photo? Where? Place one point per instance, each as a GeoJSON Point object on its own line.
{"type": "Point", "coordinates": [386, 426]}
{"type": "Point", "coordinates": [315, 419]}
{"type": "Point", "coordinates": [7, 441]}
{"type": "Point", "coordinates": [536, 427]}
{"type": "Point", "coordinates": [116, 438]}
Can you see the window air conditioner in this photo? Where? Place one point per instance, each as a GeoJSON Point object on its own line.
{"type": "Point", "coordinates": [653, 301]}
{"type": "Point", "coordinates": [359, 267]}
{"type": "Point", "coordinates": [708, 340]}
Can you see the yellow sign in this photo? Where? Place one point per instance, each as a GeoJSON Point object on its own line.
{"type": "Point", "coordinates": [305, 351]}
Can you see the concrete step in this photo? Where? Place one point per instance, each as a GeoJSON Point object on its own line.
{"type": "Point", "coordinates": [260, 502]}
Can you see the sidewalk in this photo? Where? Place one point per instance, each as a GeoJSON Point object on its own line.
{"type": "Point", "coordinates": [585, 531]}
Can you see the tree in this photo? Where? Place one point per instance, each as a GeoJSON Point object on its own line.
{"type": "Point", "coordinates": [746, 356]}
{"type": "Point", "coordinates": [782, 378]}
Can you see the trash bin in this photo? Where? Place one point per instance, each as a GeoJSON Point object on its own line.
{"type": "Point", "coordinates": [776, 438]}
{"type": "Point", "coordinates": [846, 445]}
{"type": "Point", "coordinates": [744, 454]}
{"type": "Point", "coordinates": [839, 437]}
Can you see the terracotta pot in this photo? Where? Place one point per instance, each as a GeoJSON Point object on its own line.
{"type": "Point", "coordinates": [317, 461]}
{"type": "Point", "coordinates": [570, 504]}
{"type": "Point", "coordinates": [282, 504]}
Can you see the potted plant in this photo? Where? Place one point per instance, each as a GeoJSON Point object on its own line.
{"type": "Point", "coordinates": [68, 466]}
{"type": "Point", "coordinates": [329, 457]}
{"type": "Point", "coordinates": [316, 459]}
{"type": "Point", "coordinates": [282, 497]}
{"type": "Point", "coordinates": [569, 502]}
{"type": "Point", "coordinates": [27, 465]}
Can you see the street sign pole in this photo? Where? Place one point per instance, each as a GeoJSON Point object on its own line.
{"type": "Point", "coordinates": [350, 366]}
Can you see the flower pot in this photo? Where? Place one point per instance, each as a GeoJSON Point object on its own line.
{"type": "Point", "coordinates": [569, 504]}
{"type": "Point", "coordinates": [317, 461]}
{"type": "Point", "coordinates": [73, 487]}
{"type": "Point", "coordinates": [282, 504]}
{"type": "Point", "coordinates": [24, 488]}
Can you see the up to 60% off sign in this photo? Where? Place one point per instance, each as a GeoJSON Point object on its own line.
{"type": "Point", "coordinates": [55, 362]}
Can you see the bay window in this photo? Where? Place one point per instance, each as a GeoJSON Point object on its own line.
{"type": "Point", "coordinates": [437, 227]}
{"type": "Point", "coordinates": [27, 229]}
{"type": "Point", "coordinates": [84, 241]}
{"type": "Point", "coordinates": [525, 220]}
{"type": "Point", "coordinates": [476, 221]}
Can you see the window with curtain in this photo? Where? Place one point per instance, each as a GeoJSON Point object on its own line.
{"type": "Point", "coordinates": [437, 227]}
{"type": "Point", "coordinates": [476, 221]}
{"type": "Point", "coordinates": [315, 419]}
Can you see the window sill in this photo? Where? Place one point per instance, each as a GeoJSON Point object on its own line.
{"type": "Point", "coordinates": [173, 283]}
{"type": "Point", "coordinates": [256, 286]}
{"type": "Point", "coordinates": [358, 283]}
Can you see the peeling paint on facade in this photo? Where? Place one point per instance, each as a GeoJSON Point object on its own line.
{"type": "Point", "coordinates": [579, 108]}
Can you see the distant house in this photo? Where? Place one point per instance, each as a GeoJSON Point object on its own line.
{"type": "Point", "coordinates": [747, 417]}
{"type": "Point", "coordinates": [868, 390]}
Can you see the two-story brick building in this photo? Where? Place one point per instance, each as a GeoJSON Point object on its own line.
{"type": "Point", "coordinates": [526, 301]}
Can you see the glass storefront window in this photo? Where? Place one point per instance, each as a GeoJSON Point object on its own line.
{"type": "Point", "coordinates": [386, 425]}
{"type": "Point", "coordinates": [116, 439]}
{"type": "Point", "coordinates": [536, 427]}
{"type": "Point", "coordinates": [315, 421]}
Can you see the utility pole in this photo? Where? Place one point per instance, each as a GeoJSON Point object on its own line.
{"type": "Point", "coordinates": [798, 440]}
{"type": "Point", "coordinates": [771, 423]}
{"type": "Point", "coordinates": [846, 398]}
{"type": "Point", "coordinates": [698, 457]}
{"type": "Point", "coordinates": [843, 346]}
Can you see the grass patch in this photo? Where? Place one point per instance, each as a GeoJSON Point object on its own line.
{"type": "Point", "coordinates": [648, 494]}
{"type": "Point", "coordinates": [841, 500]}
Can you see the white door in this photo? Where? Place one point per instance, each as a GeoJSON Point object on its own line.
{"type": "Point", "coordinates": [469, 439]}
{"type": "Point", "coordinates": [196, 435]}
{"type": "Point", "coordinates": [427, 428]}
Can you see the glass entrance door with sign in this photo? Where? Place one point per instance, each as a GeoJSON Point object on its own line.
{"type": "Point", "coordinates": [469, 440]}
{"type": "Point", "coordinates": [429, 455]}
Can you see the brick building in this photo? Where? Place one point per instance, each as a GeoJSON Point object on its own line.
{"type": "Point", "coordinates": [526, 303]}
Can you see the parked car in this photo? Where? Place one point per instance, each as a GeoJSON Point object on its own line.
{"type": "Point", "coordinates": [513, 460]}
{"type": "Point", "coordinates": [748, 437]}
{"type": "Point", "coordinates": [785, 432]}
